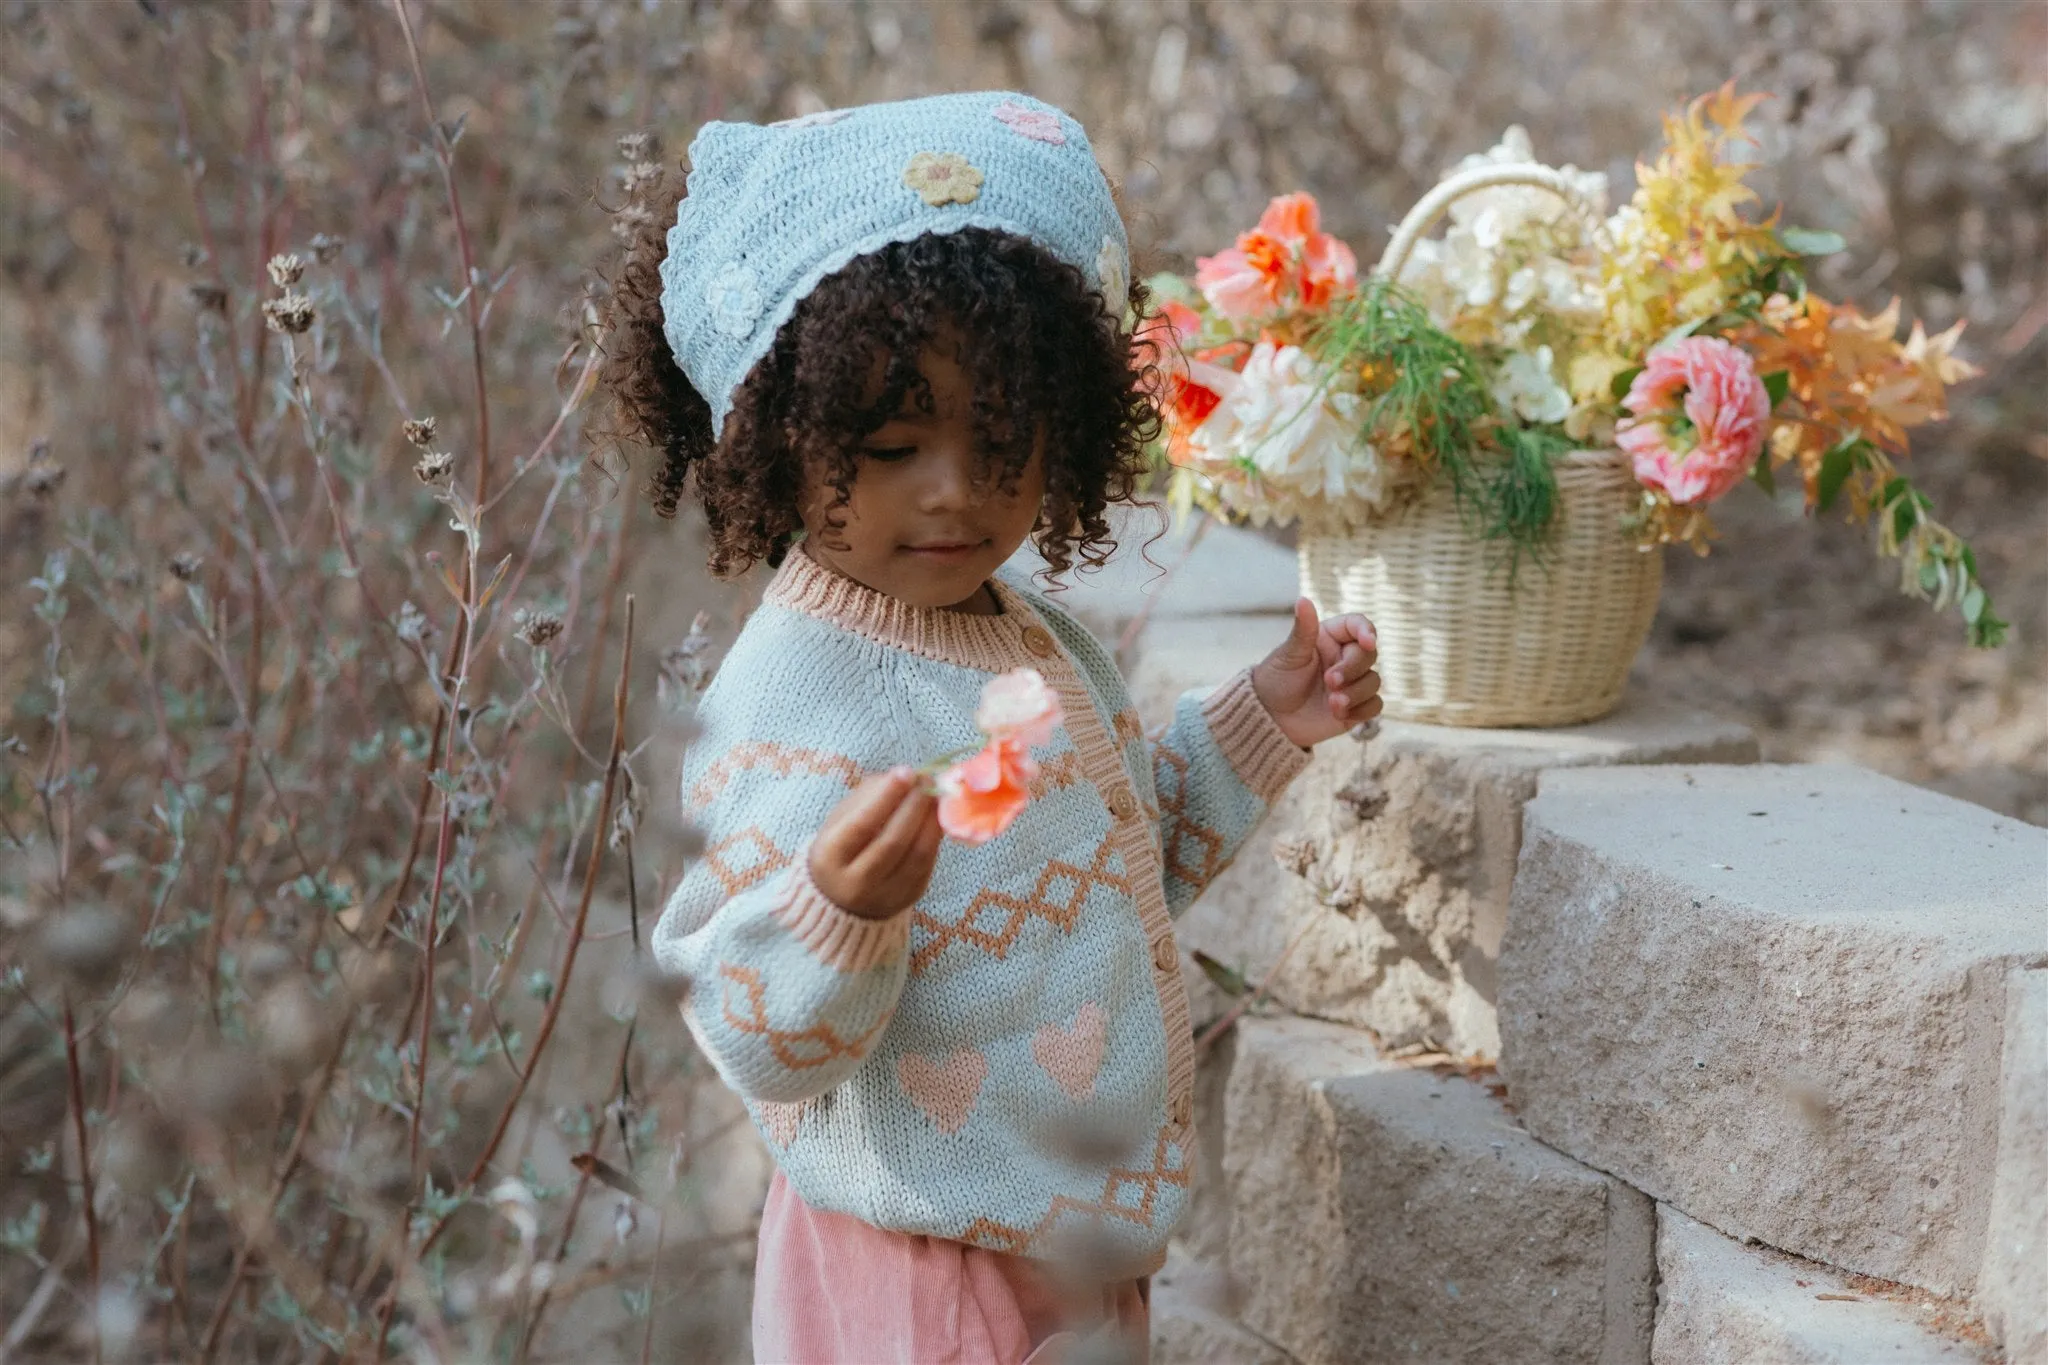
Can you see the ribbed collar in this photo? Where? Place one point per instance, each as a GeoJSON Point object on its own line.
{"type": "Point", "coordinates": [994, 644]}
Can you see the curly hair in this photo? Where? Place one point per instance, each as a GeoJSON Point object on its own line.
{"type": "Point", "coordinates": [1046, 358]}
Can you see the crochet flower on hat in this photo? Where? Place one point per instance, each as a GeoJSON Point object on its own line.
{"type": "Point", "coordinates": [943, 178]}
{"type": "Point", "coordinates": [734, 298]}
{"type": "Point", "coordinates": [1036, 124]}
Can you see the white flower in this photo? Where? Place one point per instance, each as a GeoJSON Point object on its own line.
{"type": "Point", "coordinates": [1020, 706]}
{"type": "Point", "coordinates": [1300, 439]}
{"type": "Point", "coordinates": [734, 298]}
{"type": "Point", "coordinates": [1113, 276]}
{"type": "Point", "coordinates": [1525, 386]}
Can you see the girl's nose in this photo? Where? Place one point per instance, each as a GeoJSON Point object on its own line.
{"type": "Point", "coordinates": [951, 483]}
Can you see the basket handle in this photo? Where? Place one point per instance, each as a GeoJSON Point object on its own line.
{"type": "Point", "coordinates": [1432, 206]}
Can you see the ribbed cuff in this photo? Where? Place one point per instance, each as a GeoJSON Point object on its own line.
{"type": "Point", "coordinates": [1264, 758]}
{"type": "Point", "coordinates": [837, 937]}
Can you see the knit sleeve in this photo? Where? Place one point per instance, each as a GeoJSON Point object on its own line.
{"type": "Point", "coordinates": [788, 992]}
{"type": "Point", "coordinates": [1217, 766]}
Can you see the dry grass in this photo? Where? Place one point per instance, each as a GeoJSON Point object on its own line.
{"type": "Point", "coordinates": [323, 821]}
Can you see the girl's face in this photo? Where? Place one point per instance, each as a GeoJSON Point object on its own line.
{"type": "Point", "coordinates": [923, 522]}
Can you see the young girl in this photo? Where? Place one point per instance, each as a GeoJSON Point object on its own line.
{"type": "Point", "coordinates": [884, 348]}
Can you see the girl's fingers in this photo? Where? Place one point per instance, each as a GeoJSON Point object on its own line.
{"type": "Point", "coordinates": [1352, 664]}
{"type": "Point", "coordinates": [861, 818]}
{"type": "Point", "coordinates": [886, 852]}
{"type": "Point", "coordinates": [1350, 701]}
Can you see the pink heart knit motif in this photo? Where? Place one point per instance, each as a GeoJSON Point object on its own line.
{"type": "Point", "coordinates": [945, 1090]}
{"type": "Point", "coordinates": [1072, 1056]}
{"type": "Point", "coordinates": [781, 1121]}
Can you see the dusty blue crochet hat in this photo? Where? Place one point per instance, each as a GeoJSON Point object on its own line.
{"type": "Point", "coordinates": [773, 210]}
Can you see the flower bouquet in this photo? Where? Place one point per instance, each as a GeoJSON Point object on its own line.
{"type": "Point", "coordinates": [1547, 387]}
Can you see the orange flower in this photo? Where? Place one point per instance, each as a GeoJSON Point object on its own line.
{"type": "Point", "coordinates": [980, 795]}
{"type": "Point", "coordinates": [1286, 260]}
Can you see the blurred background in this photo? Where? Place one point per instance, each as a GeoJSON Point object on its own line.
{"type": "Point", "coordinates": [230, 736]}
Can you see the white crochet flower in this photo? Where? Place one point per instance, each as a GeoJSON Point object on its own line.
{"type": "Point", "coordinates": [734, 298]}
{"type": "Point", "coordinates": [1113, 275]}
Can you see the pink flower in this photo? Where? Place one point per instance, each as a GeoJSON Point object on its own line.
{"type": "Point", "coordinates": [1018, 706]}
{"type": "Point", "coordinates": [1699, 418]}
{"type": "Point", "coordinates": [1036, 124]}
{"type": "Point", "coordinates": [980, 795]}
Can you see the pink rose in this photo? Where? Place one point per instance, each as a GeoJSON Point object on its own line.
{"type": "Point", "coordinates": [1699, 419]}
{"type": "Point", "coordinates": [1018, 706]}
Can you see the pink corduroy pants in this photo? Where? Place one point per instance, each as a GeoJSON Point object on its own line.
{"type": "Point", "coordinates": [832, 1290]}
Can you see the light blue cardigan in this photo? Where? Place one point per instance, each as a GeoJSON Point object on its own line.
{"type": "Point", "coordinates": [1009, 1063]}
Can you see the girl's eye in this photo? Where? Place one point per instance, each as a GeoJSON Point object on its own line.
{"type": "Point", "coordinates": [888, 454]}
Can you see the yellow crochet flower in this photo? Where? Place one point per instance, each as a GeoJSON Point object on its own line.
{"type": "Point", "coordinates": [943, 178]}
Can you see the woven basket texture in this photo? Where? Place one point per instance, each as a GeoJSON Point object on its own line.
{"type": "Point", "coordinates": [1462, 645]}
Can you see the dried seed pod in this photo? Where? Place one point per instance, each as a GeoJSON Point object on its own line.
{"type": "Point", "coordinates": [185, 566]}
{"type": "Point", "coordinates": [285, 269]}
{"type": "Point", "coordinates": [290, 312]}
{"type": "Point", "coordinates": [537, 628]}
{"type": "Point", "coordinates": [420, 431]}
{"type": "Point", "coordinates": [324, 247]}
{"type": "Point", "coordinates": [434, 468]}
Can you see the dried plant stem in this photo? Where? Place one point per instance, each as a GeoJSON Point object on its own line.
{"type": "Point", "coordinates": [531, 1331]}
{"type": "Point", "coordinates": [231, 836]}
{"type": "Point", "coordinates": [278, 1188]}
{"type": "Point", "coordinates": [1250, 999]}
{"type": "Point", "coordinates": [87, 1195]}
{"type": "Point", "coordinates": [444, 157]}
{"type": "Point", "coordinates": [553, 1013]}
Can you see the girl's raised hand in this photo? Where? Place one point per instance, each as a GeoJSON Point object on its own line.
{"type": "Point", "coordinates": [1320, 682]}
{"type": "Point", "coordinates": [874, 856]}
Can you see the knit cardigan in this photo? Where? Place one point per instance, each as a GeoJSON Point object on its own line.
{"type": "Point", "coordinates": [1010, 1062]}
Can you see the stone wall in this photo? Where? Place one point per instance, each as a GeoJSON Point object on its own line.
{"type": "Point", "coordinates": [1604, 1044]}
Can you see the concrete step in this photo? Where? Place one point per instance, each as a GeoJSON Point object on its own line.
{"type": "Point", "coordinates": [1229, 571]}
{"type": "Point", "coordinates": [1774, 997]}
{"type": "Point", "coordinates": [1415, 833]}
{"type": "Point", "coordinates": [1722, 1303]}
{"type": "Point", "coordinates": [2013, 1291]}
{"type": "Point", "coordinates": [1382, 1212]}
{"type": "Point", "coordinates": [1192, 1324]}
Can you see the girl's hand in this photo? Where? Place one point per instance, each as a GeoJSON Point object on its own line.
{"type": "Point", "coordinates": [874, 856]}
{"type": "Point", "coordinates": [1320, 682]}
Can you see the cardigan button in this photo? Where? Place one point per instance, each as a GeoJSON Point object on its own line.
{"type": "Point", "coordinates": [1039, 641]}
{"type": "Point", "coordinates": [1122, 804]}
{"type": "Point", "coordinates": [1182, 1110]}
{"type": "Point", "coordinates": [1164, 955]}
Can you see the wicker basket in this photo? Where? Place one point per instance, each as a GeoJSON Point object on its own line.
{"type": "Point", "coordinates": [1460, 643]}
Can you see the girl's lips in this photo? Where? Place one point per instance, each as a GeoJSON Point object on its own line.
{"type": "Point", "coordinates": [949, 551]}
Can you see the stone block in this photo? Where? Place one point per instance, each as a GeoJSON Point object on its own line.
{"type": "Point", "coordinates": [1722, 1303]}
{"type": "Point", "coordinates": [1192, 1323]}
{"type": "Point", "coordinates": [1774, 997]}
{"type": "Point", "coordinates": [1229, 571]}
{"type": "Point", "coordinates": [2013, 1290]}
{"type": "Point", "coordinates": [1412, 835]}
{"type": "Point", "coordinates": [1382, 1212]}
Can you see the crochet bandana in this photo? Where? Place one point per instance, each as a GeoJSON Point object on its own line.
{"type": "Point", "coordinates": [774, 209]}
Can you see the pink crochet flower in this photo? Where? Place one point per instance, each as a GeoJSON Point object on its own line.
{"type": "Point", "coordinates": [1035, 124]}
{"type": "Point", "coordinates": [1699, 418]}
